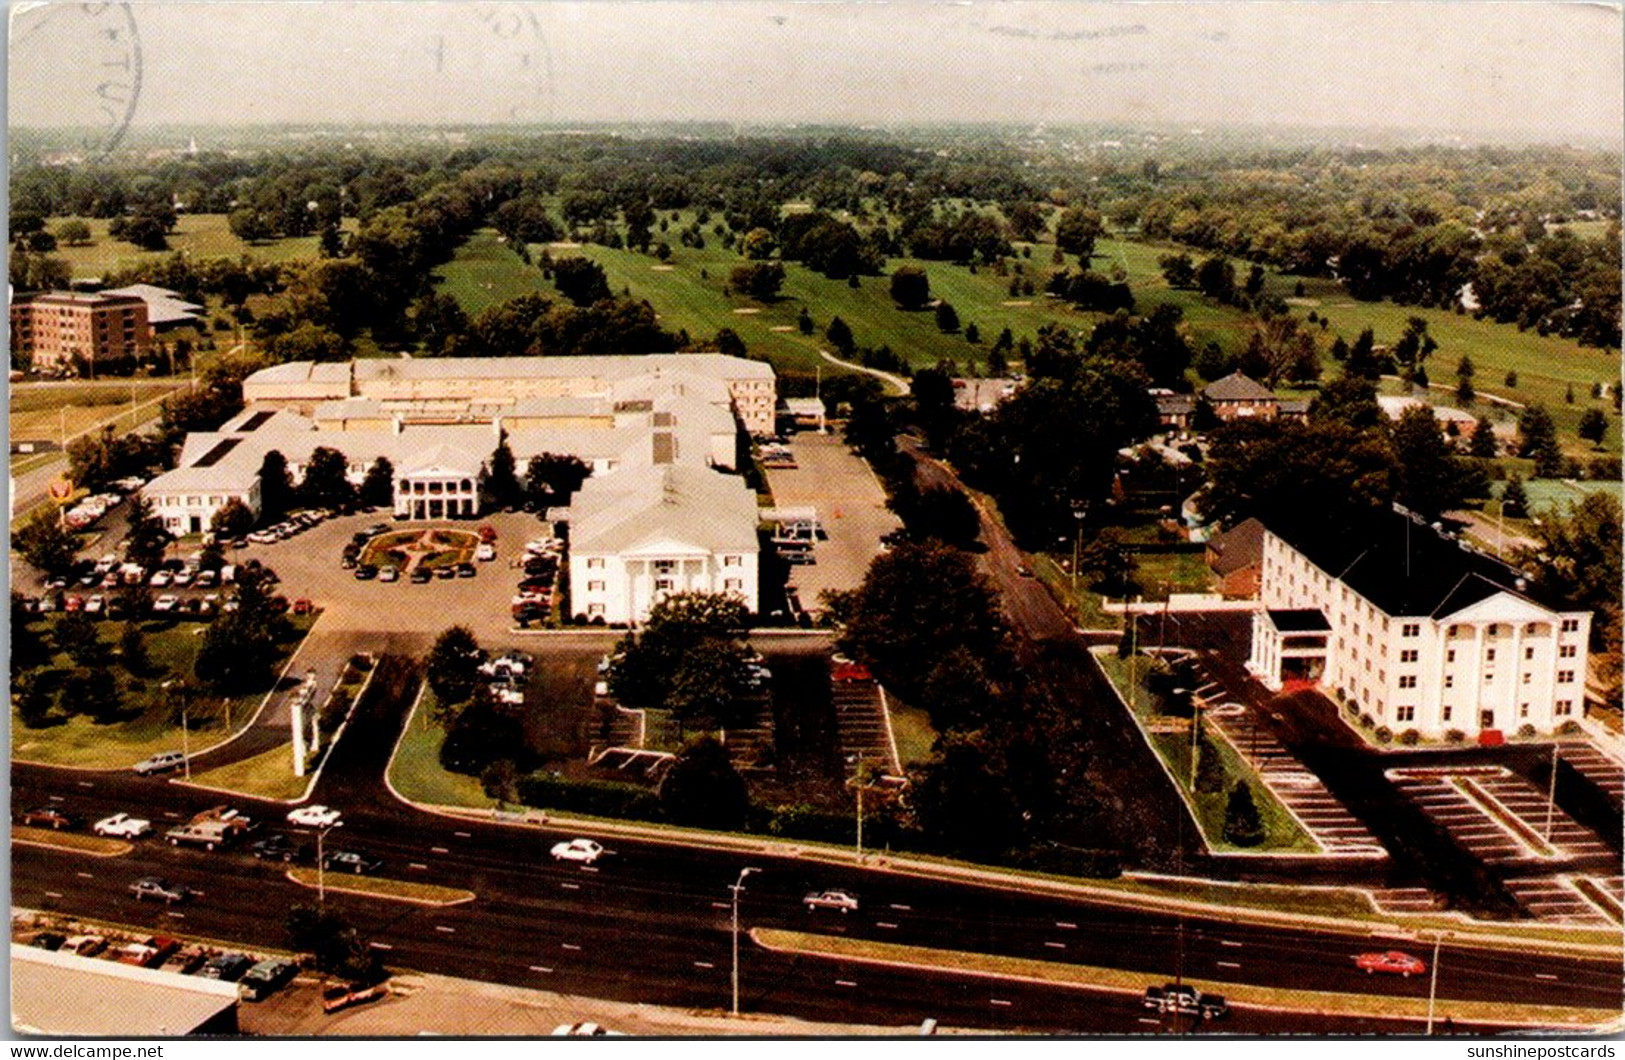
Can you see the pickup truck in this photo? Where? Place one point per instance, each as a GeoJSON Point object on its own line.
{"type": "Point", "coordinates": [207, 834]}
{"type": "Point", "coordinates": [1185, 1000]}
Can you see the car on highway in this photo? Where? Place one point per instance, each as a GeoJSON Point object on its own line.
{"type": "Point", "coordinates": [585, 851]}
{"type": "Point", "coordinates": [265, 978]}
{"type": "Point", "coordinates": [1391, 962]}
{"type": "Point", "coordinates": [842, 900]}
{"type": "Point", "coordinates": [123, 826]}
{"type": "Point", "coordinates": [1183, 999]}
{"type": "Point", "coordinates": [160, 888]}
{"type": "Point", "coordinates": [350, 861]}
{"type": "Point", "coordinates": [277, 847]}
{"type": "Point", "coordinates": [162, 762]}
{"type": "Point", "coordinates": [226, 967]}
{"type": "Point", "coordinates": [52, 817]}
{"type": "Point", "coordinates": [314, 816]}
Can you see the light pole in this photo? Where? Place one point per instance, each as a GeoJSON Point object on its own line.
{"type": "Point", "coordinates": [739, 885]}
{"type": "Point", "coordinates": [321, 863]}
{"type": "Point", "coordinates": [1551, 796]}
{"type": "Point", "coordinates": [1433, 981]}
{"type": "Point", "coordinates": [186, 743]}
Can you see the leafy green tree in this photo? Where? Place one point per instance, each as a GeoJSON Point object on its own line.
{"type": "Point", "coordinates": [1210, 772]}
{"type": "Point", "coordinates": [75, 635]}
{"type": "Point", "coordinates": [308, 342]}
{"type": "Point", "coordinates": [840, 336]}
{"type": "Point", "coordinates": [804, 322]}
{"type": "Point", "coordinates": [1242, 824]}
{"type": "Point", "coordinates": [232, 519]}
{"type": "Point", "coordinates": [93, 692]}
{"type": "Point", "coordinates": [947, 318]}
{"type": "Point", "coordinates": [910, 286]}
{"type": "Point", "coordinates": [1216, 278]}
{"type": "Point", "coordinates": [965, 801]}
{"type": "Point", "coordinates": [688, 658]}
{"type": "Point", "coordinates": [32, 700]}
{"type": "Point", "coordinates": [1110, 559]}
{"type": "Point", "coordinates": [581, 280]}
{"type": "Point", "coordinates": [1178, 270]}
{"type": "Point", "coordinates": [551, 479]}
{"type": "Point", "coordinates": [1464, 380]}
{"type": "Point", "coordinates": [74, 233]}
{"type": "Point", "coordinates": [934, 410]}
{"type": "Point", "coordinates": [1077, 230]}
{"type": "Point", "coordinates": [236, 654]}
{"type": "Point", "coordinates": [1430, 479]}
{"type": "Point", "coordinates": [28, 649]}
{"type": "Point", "coordinates": [1362, 360]}
{"type": "Point", "coordinates": [132, 648]}
{"type": "Point", "coordinates": [145, 537]}
{"type": "Point", "coordinates": [480, 732]}
{"type": "Point", "coordinates": [1593, 425]}
{"type": "Point", "coordinates": [702, 789]}
{"type": "Point", "coordinates": [276, 487]}
{"type": "Point", "coordinates": [45, 543]}
{"type": "Point", "coordinates": [250, 225]}
{"type": "Point", "coordinates": [453, 668]}
{"type": "Point", "coordinates": [758, 244]}
{"type": "Point", "coordinates": [946, 514]}
{"type": "Point", "coordinates": [378, 485]}
{"type": "Point", "coordinates": [326, 483]}
{"type": "Point", "coordinates": [761, 280]}
{"type": "Point", "coordinates": [332, 941]}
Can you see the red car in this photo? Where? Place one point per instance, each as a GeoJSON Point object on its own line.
{"type": "Point", "coordinates": [302, 606]}
{"type": "Point", "coordinates": [488, 533]}
{"type": "Point", "coordinates": [1393, 962]}
{"type": "Point", "coordinates": [849, 672]}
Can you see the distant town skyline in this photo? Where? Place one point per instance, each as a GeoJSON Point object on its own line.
{"type": "Point", "coordinates": [1541, 70]}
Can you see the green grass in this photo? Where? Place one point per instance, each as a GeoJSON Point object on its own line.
{"type": "Point", "coordinates": [416, 773]}
{"type": "Point", "coordinates": [200, 235]}
{"type": "Point", "coordinates": [1086, 605]}
{"type": "Point", "coordinates": [912, 730]}
{"type": "Point", "coordinates": [379, 887]}
{"type": "Point", "coordinates": [484, 273]}
{"type": "Point", "coordinates": [1176, 572]}
{"type": "Point", "coordinates": [171, 648]}
{"type": "Point", "coordinates": [1282, 834]}
{"type": "Point", "coordinates": [266, 776]}
{"type": "Point", "coordinates": [52, 413]}
{"type": "Point", "coordinates": [1562, 495]}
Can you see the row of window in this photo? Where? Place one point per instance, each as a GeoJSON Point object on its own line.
{"type": "Point", "coordinates": [664, 585]}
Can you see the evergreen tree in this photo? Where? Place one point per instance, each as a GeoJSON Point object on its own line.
{"type": "Point", "coordinates": [276, 487]}
{"type": "Point", "coordinates": [1514, 501]}
{"type": "Point", "coordinates": [1537, 439]}
{"type": "Point", "coordinates": [1593, 425]}
{"type": "Point", "coordinates": [1483, 440]}
{"type": "Point", "coordinates": [1464, 380]}
{"type": "Point", "coordinates": [840, 336]}
{"type": "Point", "coordinates": [500, 482]}
{"type": "Point", "coordinates": [1242, 825]}
{"type": "Point", "coordinates": [378, 487]}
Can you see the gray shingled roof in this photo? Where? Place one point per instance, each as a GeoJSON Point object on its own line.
{"type": "Point", "coordinates": [1237, 387]}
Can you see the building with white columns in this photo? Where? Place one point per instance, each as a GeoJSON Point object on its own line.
{"type": "Point", "coordinates": [1417, 632]}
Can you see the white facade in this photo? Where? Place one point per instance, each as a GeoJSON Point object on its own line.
{"type": "Point", "coordinates": [1476, 656]}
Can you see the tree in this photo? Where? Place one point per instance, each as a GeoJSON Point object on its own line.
{"type": "Point", "coordinates": [479, 733]}
{"type": "Point", "coordinates": [73, 233]}
{"type": "Point", "coordinates": [500, 483]}
{"type": "Point", "coordinates": [45, 543]}
{"type": "Point", "coordinates": [276, 486]}
{"type": "Point", "coordinates": [453, 669]}
{"type": "Point", "coordinates": [1109, 557]}
{"type": "Point", "coordinates": [840, 336]}
{"type": "Point", "coordinates": [1077, 230]}
{"type": "Point", "coordinates": [702, 789]}
{"type": "Point", "coordinates": [910, 286]}
{"type": "Point", "coordinates": [804, 322]}
{"type": "Point", "coordinates": [332, 941]}
{"type": "Point", "coordinates": [32, 700]}
{"type": "Point", "coordinates": [1537, 439]}
{"type": "Point", "coordinates": [308, 342]}
{"type": "Point", "coordinates": [1593, 425]}
{"type": "Point", "coordinates": [934, 410]}
{"type": "Point", "coordinates": [688, 658]}
{"type": "Point", "coordinates": [76, 636]}
{"type": "Point", "coordinates": [145, 537]}
{"type": "Point", "coordinates": [1178, 270]}
{"type": "Point", "coordinates": [250, 225]}
{"type": "Point", "coordinates": [1362, 361]}
{"type": "Point", "coordinates": [1514, 500]}
{"type": "Point", "coordinates": [551, 479]}
{"type": "Point", "coordinates": [757, 244]}
{"type": "Point", "coordinates": [1464, 380]}
{"type": "Point", "coordinates": [728, 343]}
{"type": "Point", "coordinates": [1210, 774]}
{"type": "Point", "coordinates": [326, 483]}
{"type": "Point", "coordinates": [232, 519]}
{"type": "Point", "coordinates": [1482, 443]}
{"type": "Point", "coordinates": [964, 798]}
{"type": "Point", "coordinates": [132, 649]}
{"type": "Point", "coordinates": [378, 485]}
{"type": "Point", "coordinates": [946, 514]}
{"type": "Point", "coordinates": [947, 318]}
{"type": "Point", "coordinates": [237, 652]}
{"type": "Point", "coordinates": [1242, 824]}
{"type": "Point", "coordinates": [581, 280]}
{"type": "Point", "coordinates": [1430, 480]}
{"type": "Point", "coordinates": [1216, 278]}
{"type": "Point", "coordinates": [761, 280]}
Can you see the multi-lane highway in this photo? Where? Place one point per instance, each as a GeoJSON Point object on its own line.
{"type": "Point", "coordinates": [650, 922]}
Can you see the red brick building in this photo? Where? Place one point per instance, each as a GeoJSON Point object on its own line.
{"type": "Point", "coordinates": [86, 331]}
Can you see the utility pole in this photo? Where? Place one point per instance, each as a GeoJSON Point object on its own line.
{"type": "Point", "coordinates": [1551, 796]}
{"type": "Point", "coordinates": [1433, 982]}
{"type": "Point", "coordinates": [739, 885]}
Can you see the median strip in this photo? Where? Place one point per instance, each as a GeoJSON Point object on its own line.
{"type": "Point", "coordinates": [374, 887]}
{"type": "Point", "coordinates": [1112, 980]}
{"type": "Point", "coordinates": [95, 846]}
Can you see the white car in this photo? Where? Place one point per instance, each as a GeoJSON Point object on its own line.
{"type": "Point", "coordinates": [314, 817]}
{"type": "Point", "coordinates": [585, 1030]}
{"type": "Point", "coordinates": [122, 825]}
{"type": "Point", "coordinates": [182, 578]}
{"type": "Point", "coordinates": [508, 697]}
{"type": "Point", "coordinates": [160, 579]}
{"type": "Point", "coordinates": [846, 903]}
{"type": "Point", "coordinates": [583, 850]}
{"type": "Point", "coordinates": [485, 552]}
{"type": "Point", "coordinates": [165, 603]}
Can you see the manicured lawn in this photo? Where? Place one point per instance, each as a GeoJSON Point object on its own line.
{"type": "Point", "coordinates": [265, 776]}
{"type": "Point", "coordinates": [484, 273]}
{"type": "Point", "coordinates": [913, 732]}
{"type": "Point", "coordinates": [376, 887]}
{"type": "Point", "coordinates": [55, 413]}
{"type": "Point", "coordinates": [415, 770]}
{"type": "Point", "coordinates": [1162, 573]}
{"type": "Point", "coordinates": [445, 548]}
{"type": "Point", "coordinates": [200, 235]}
{"type": "Point", "coordinates": [148, 726]}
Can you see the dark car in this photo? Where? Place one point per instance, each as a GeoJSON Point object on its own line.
{"type": "Point", "coordinates": [262, 980]}
{"type": "Point", "coordinates": [278, 848]}
{"type": "Point", "coordinates": [350, 861]}
{"type": "Point", "coordinates": [48, 817]}
{"type": "Point", "coordinates": [466, 570]}
{"type": "Point", "coordinates": [1186, 1000]}
{"type": "Point", "coordinates": [227, 967]}
{"type": "Point", "coordinates": [366, 572]}
{"type": "Point", "coordinates": [446, 572]}
{"type": "Point", "coordinates": [48, 940]}
{"type": "Point", "coordinates": [420, 575]}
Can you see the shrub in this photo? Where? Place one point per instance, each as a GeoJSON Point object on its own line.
{"type": "Point", "coordinates": [1367, 720]}
{"type": "Point", "coordinates": [1384, 734]}
{"type": "Point", "coordinates": [601, 798]}
{"type": "Point", "coordinates": [1455, 736]}
{"type": "Point", "coordinates": [1526, 730]}
{"type": "Point", "coordinates": [1410, 737]}
{"type": "Point", "coordinates": [1569, 728]}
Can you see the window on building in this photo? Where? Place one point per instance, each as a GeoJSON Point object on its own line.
{"type": "Point", "coordinates": [595, 610]}
{"type": "Point", "coordinates": [733, 585]}
{"type": "Point", "coordinates": [662, 585]}
{"type": "Point", "coordinates": [1527, 678]}
{"type": "Point", "coordinates": [1565, 677]}
{"type": "Point", "coordinates": [1449, 681]}
{"type": "Point", "coordinates": [1452, 631]}
{"type": "Point", "coordinates": [665, 566]}
{"type": "Point", "coordinates": [1404, 713]}
{"type": "Point", "coordinates": [1408, 655]}
{"type": "Point", "coordinates": [1410, 629]}
{"type": "Point", "coordinates": [595, 587]}
{"type": "Point", "coordinates": [1564, 707]}
{"type": "Point", "coordinates": [1368, 640]}
{"type": "Point", "coordinates": [595, 564]}
{"type": "Point", "coordinates": [1529, 653]}
{"type": "Point", "coordinates": [1489, 654]}
{"type": "Point", "coordinates": [1445, 712]}
{"type": "Point", "coordinates": [1450, 656]}
{"type": "Point", "coordinates": [1571, 625]}
{"type": "Point", "coordinates": [1408, 681]}
{"type": "Point", "coordinates": [1368, 666]}
{"type": "Point", "coordinates": [1523, 710]}
{"type": "Point", "coordinates": [1567, 651]}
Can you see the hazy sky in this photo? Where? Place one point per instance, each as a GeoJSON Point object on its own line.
{"type": "Point", "coordinates": [1552, 67]}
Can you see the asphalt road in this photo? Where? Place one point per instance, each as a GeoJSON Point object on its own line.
{"type": "Point", "coordinates": [651, 923]}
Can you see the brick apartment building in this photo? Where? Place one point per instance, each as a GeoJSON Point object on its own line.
{"type": "Point", "coordinates": [88, 331]}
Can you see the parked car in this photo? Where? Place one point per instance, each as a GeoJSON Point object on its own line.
{"type": "Point", "coordinates": [51, 817]}
{"type": "Point", "coordinates": [584, 1029]}
{"type": "Point", "coordinates": [149, 954]}
{"type": "Point", "coordinates": [182, 578]}
{"type": "Point", "coordinates": [466, 570]}
{"type": "Point", "coordinates": [485, 553]}
{"type": "Point", "coordinates": [341, 996]}
{"type": "Point", "coordinates": [206, 579]}
{"type": "Point", "coordinates": [162, 762]}
{"type": "Point", "coordinates": [350, 861]}
{"type": "Point", "coordinates": [447, 572]}
{"type": "Point", "coordinates": [86, 945]}
{"type": "Point", "coordinates": [366, 572]}
{"type": "Point", "coordinates": [186, 960]}
{"type": "Point", "coordinates": [585, 851]}
{"type": "Point", "coordinates": [1391, 962]}
{"type": "Point", "coordinates": [265, 978]}
{"type": "Point", "coordinates": [302, 606]}
{"type": "Point", "coordinates": [488, 533]}
{"type": "Point", "coordinates": [74, 602]}
{"type": "Point", "coordinates": [388, 574]}
{"type": "Point", "coordinates": [96, 605]}
{"type": "Point", "coordinates": [226, 967]}
{"type": "Point", "coordinates": [160, 888]}
{"type": "Point", "coordinates": [122, 825]}
{"type": "Point", "coordinates": [850, 673]}
{"type": "Point", "coordinates": [845, 902]}
{"type": "Point", "coordinates": [314, 816]}
{"type": "Point", "coordinates": [420, 575]}
{"type": "Point", "coordinates": [160, 579]}
{"type": "Point", "coordinates": [48, 940]}
{"type": "Point", "coordinates": [165, 604]}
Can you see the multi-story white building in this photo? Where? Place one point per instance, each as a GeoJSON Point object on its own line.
{"type": "Point", "coordinates": [639, 536]}
{"type": "Point", "coordinates": [1417, 632]}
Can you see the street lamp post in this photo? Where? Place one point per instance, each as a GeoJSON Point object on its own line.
{"type": "Point", "coordinates": [1433, 981]}
{"type": "Point", "coordinates": [321, 864]}
{"type": "Point", "coordinates": [739, 885]}
{"type": "Point", "coordinates": [186, 743]}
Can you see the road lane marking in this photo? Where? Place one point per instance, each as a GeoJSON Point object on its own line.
{"type": "Point", "coordinates": [380, 945]}
{"type": "Point", "coordinates": [172, 815]}
{"type": "Point", "coordinates": [53, 894]}
{"type": "Point", "coordinates": [883, 924]}
{"type": "Point", "coordinates": [176, 916]}
{"type": "Point", "coordinates": [1148, 1019]}
{"type": "Point", "coordinates": [1228, 964]}
{"type": "Point", "coordinates": [1227, 942]}
{"type": "Point", "coordinates": [571, 886]}
{"type": "Point", "coordinates": [902, 908]}
{"type": "Point", "coordinates": [539, 968]}
{"type": "Point", "coordinates": [719, 905]}
{"type": "Point", "coordinates": [84, 876]}
{"type": "Point", "coordinates": [704, 964]}
{"type": "Point", "coordinates": [416, 865]}
{"type": "Point", "coordinates": [570, 946]}
{"type": "Point", "coordinates": [998, 1001]}
{"type": "Point", "coordinates": [444, 928]}
{"type": "Point", "coordinates": [439, 850]}
{"type": "Point", "coordinates": [462, 835]}
{"type": "Point", "coordinates": [589, 868]}
{"type": "Point", "coordinates": [1056, 945]}
{"type": "Point", "coordinates": [845, 982]}
{"type": "Point", "coordinates": [1544, 975]}
{"type": "Point", "coordinates": [86, 784]}
{"type": "Point", "coordinates": [56, 798]}
{"type": "Point", "coordinates": [1064, 924]}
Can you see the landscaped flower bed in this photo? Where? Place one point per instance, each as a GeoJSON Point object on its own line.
{"type": "Point", "coordinates": [429, 548]}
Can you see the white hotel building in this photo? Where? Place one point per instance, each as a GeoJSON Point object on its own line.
{"type": "Point", "coordinates": [1418, 633]}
